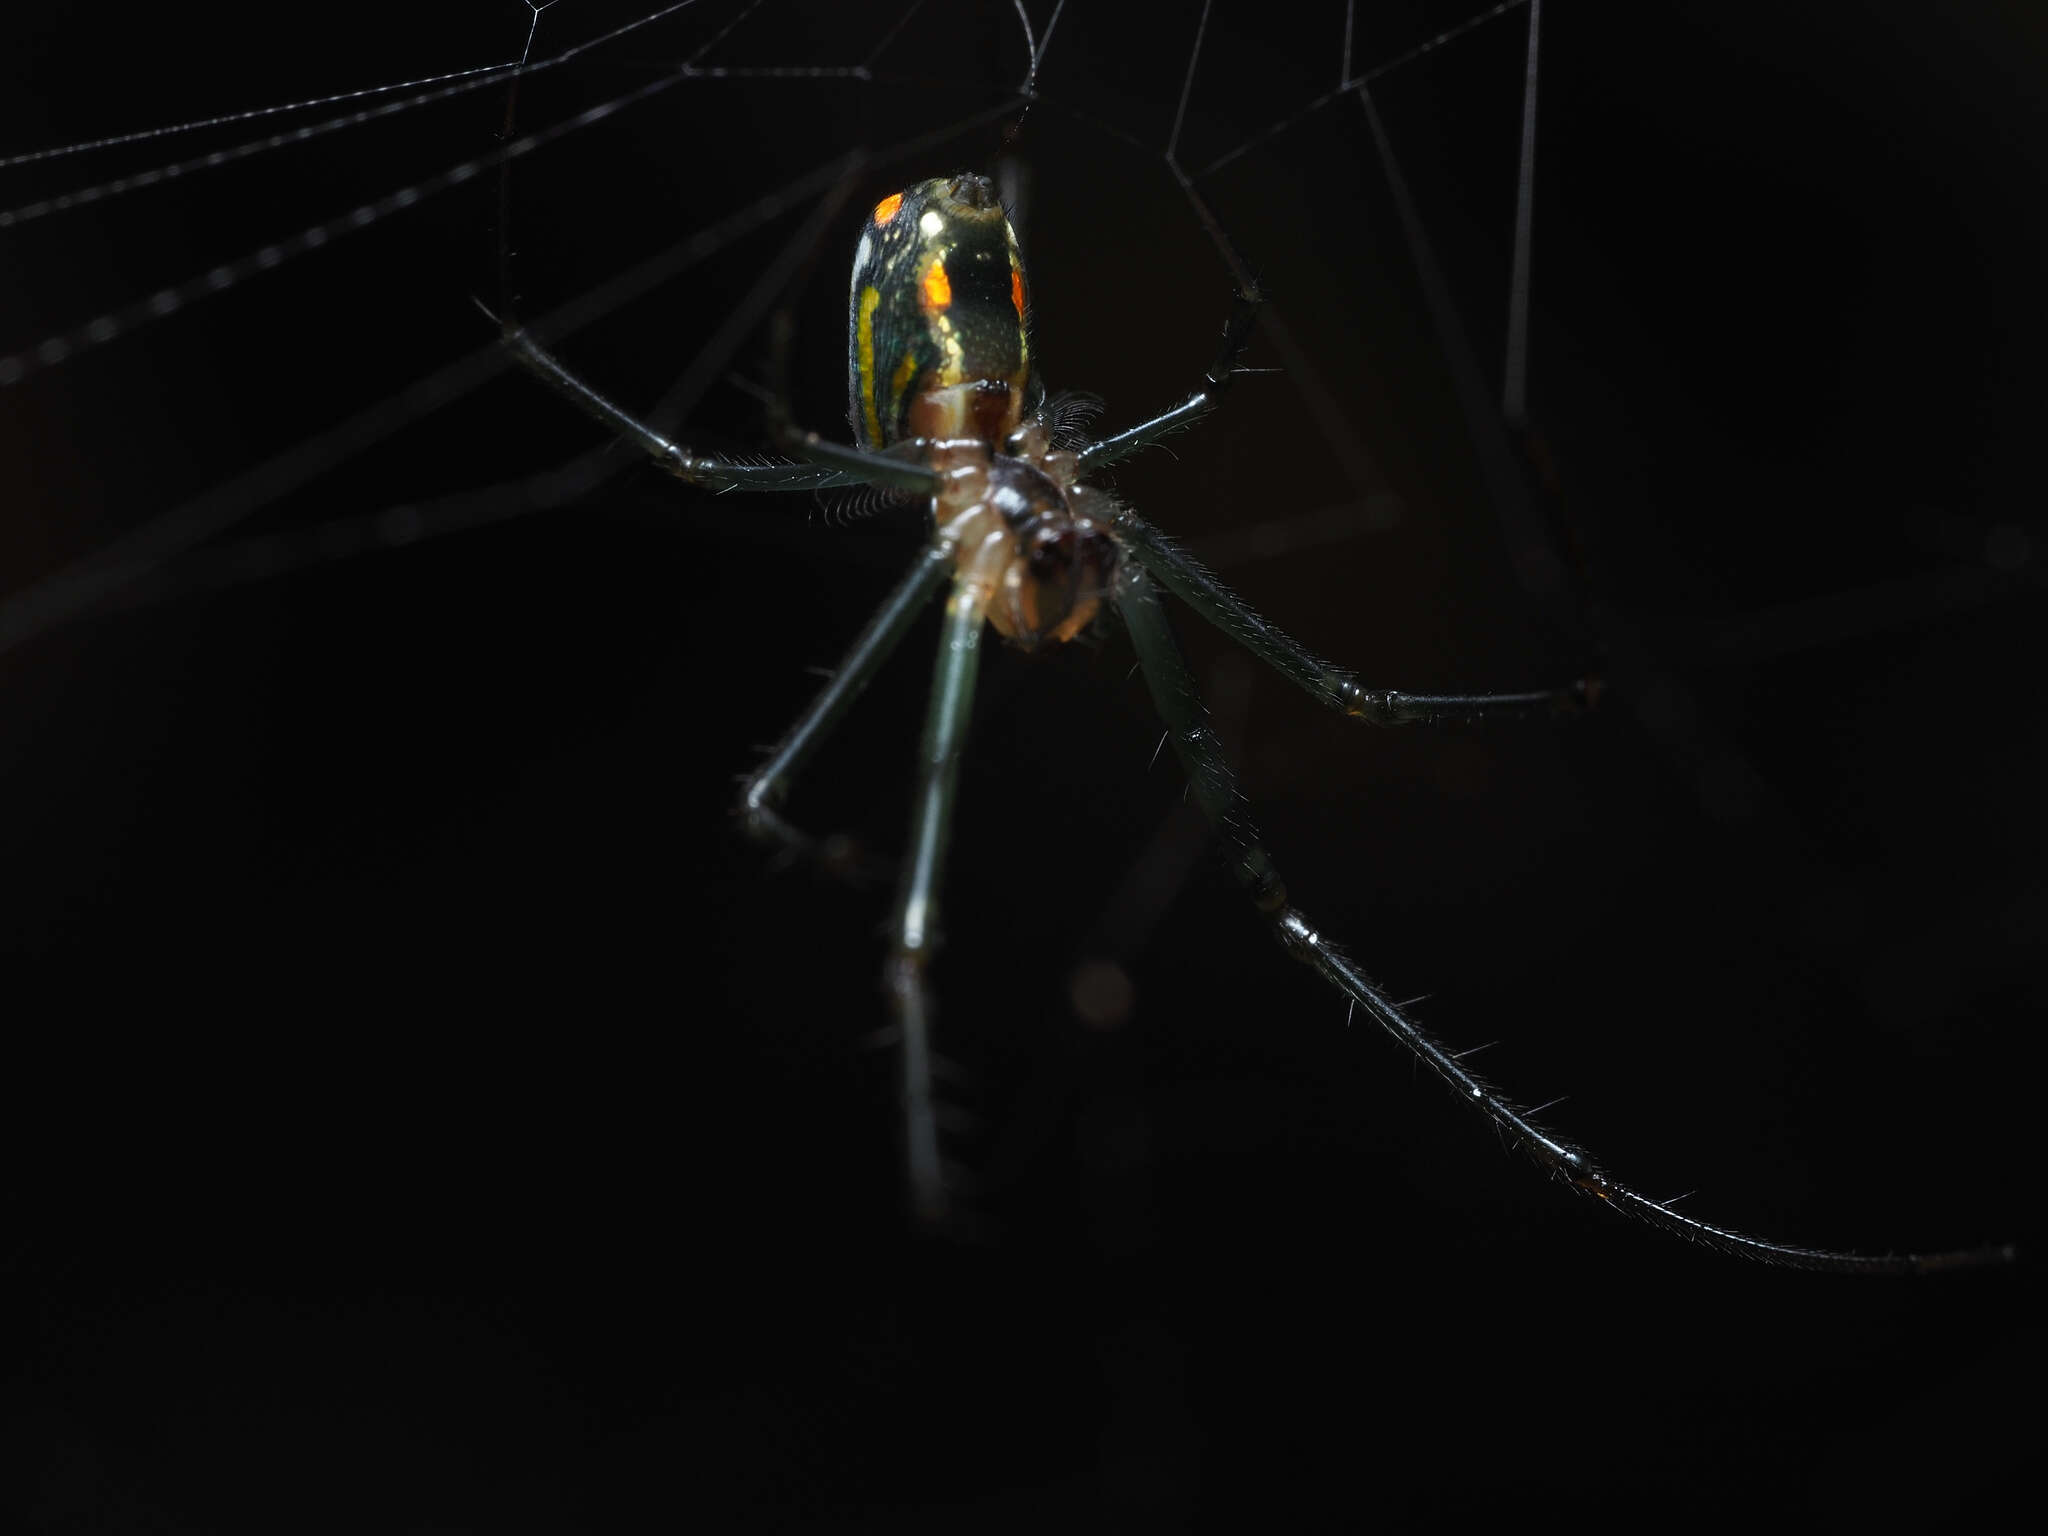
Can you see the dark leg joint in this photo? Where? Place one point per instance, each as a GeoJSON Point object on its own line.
{"type": "Point", "coordinates": [1296, 937]}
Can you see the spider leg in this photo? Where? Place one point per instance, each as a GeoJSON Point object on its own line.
{"type": "Point", "coordinates": [766, 788]}
{"type": "Point", "coordinates": [915, 927]}
{"type": "Point", "coordinates": [822, 463]}
{"type": "Point", "coordinates": [1216, 379]}
{"type": "Point", "coordinates": [1215, 787]}
{"type": "Point", "coordinates": [1186, 578]}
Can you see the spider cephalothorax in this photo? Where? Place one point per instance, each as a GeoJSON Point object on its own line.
{"type": "Point", "coordinates": [1038, 545]}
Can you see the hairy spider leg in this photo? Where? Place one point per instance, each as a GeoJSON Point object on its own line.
{"type": "Point", "coordinates": [914, 931]}
{"type": "Point", "coordinates": [767, 787]}
{"type": "Point", "coordinates": [1237, 333]}
{"type": "Point", "coordinates": [1328, 684]}
{"type": "Point", "coordinates": [1201, 591]}
{"type": "Point", "coordinates": [1215, 787]}
{"type": "Point", "coordinates": [821, 463]}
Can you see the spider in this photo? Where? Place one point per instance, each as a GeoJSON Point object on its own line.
{"type": "Point", "coordinates": [947, 406]}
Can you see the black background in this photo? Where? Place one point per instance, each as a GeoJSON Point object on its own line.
{"type": "Point", "coordinates": [422, 1113]}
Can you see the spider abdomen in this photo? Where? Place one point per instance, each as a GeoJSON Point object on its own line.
{"type": "Point", "coordinates": [936, 339]}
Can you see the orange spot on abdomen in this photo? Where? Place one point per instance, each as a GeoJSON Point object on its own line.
{"type": "Point", "coordinates": [1017, 289]}
{"type": "Point", "coordinates": [885, 210]}
{"type": "Point", "coordinates": [938, 288]}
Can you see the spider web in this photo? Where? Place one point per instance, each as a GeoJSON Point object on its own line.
{"type": "Point", "coordinates": [374, 738]}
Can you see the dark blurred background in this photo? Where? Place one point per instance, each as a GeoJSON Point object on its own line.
{"type": "Point", "coordinates": [423, 1113]}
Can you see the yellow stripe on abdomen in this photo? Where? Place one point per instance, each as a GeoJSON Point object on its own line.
{"type": "Point", "coordinates": [864, 344]}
